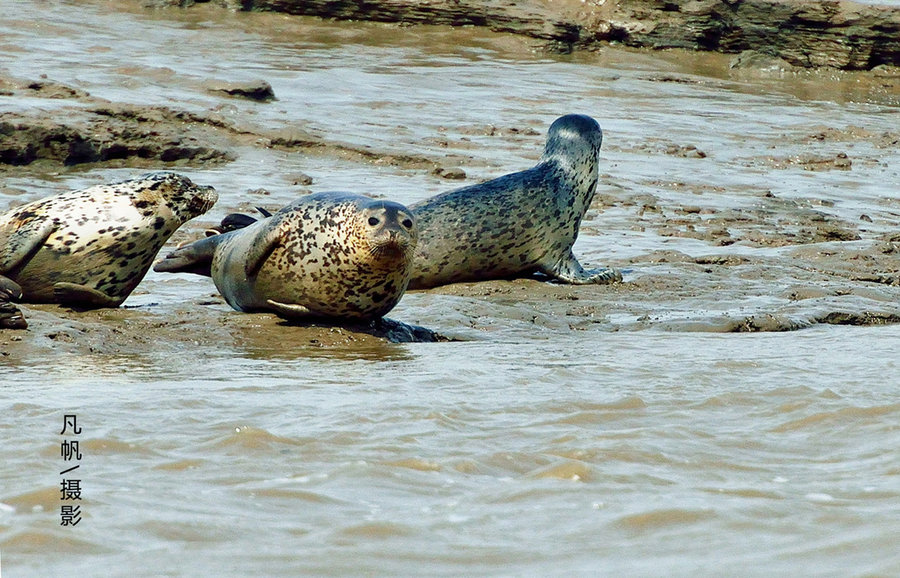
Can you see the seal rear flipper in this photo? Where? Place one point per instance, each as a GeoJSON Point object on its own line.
{"type": "Point", "coordinates": [289, 310]}
{"type": "Point", "coordinates": [569, 270]}
{"type": "Point", "coordinates": [82, 295]}
{"type": "Point", "coordinates": [194, 258]}
{"type": "Point", "coordinates": [11, 317]}
{"type": "Point", "coordinates": [9, 290]}
{"type": "Point", "coordinates": [232, 222]}
{"type": "Point", "coordinates": [235, 221]}
{"type": "Point", "coordinates": [23, 243]}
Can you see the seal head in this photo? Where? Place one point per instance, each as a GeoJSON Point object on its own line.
{"type": "Point", "coordinates": [518, 224]}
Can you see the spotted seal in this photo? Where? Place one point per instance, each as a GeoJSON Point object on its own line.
{"type": "Point", "coordinates": [90, 248]}
{"type": "Point", "coordinates": [518, 224]}
{"type": "Point", "coordinates": [327, 255]}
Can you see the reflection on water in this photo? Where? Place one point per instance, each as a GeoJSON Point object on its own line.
{"type": "Point", "coordinates": [537, 449]}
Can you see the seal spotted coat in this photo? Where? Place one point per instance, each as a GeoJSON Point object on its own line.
{"type": "Point", "coordinates": [91, 247]}
{"type": "Point", "coordinates": [518, 224]}
{"type": "Point", "coordinates": [327, 255]}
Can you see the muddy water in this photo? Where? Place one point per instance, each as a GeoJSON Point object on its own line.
{"type": "Point", "coordinates": [621, 430]}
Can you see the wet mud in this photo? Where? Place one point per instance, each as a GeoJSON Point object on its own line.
{"type": "Point", "coordinates": [94, 130]}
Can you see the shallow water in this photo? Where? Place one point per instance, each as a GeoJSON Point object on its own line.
{"type": "Point", "coordinates": [545, 444]}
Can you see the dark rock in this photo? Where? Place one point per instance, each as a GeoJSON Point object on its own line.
{"type": "Point", "coordinates": [765, 323]}
{"type": "Point", "coordinates": [11, 317]}
{"type": "Point", "coordinates": [529, 18]}
{"type": "Point", "coordinates": [864, 318]}
{"type": "Point", "coordinates": [398, 332]}
{"type": "Point", "coordinates": [259, 90]}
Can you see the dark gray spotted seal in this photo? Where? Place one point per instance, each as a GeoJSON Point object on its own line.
{"type": "Point", "coordinates": [327, 255]}
{"type": "Point", "coordinates": [91, 248]}
{"type": "Point", "coordinates": [518, 224]}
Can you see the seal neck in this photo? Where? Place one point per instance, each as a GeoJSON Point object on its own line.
{"type": "Point", "coordinates": [572, 166]}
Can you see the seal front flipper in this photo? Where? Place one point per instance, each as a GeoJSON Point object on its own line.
{"type": "Point", "coordinates": [261, 249]}
{"type": "Point", "coordinates": [23, 243]}
{"type": "Point", "coordinates": [601, 276]}
{"type": "Point", "coordinates": [194, 258]}
{"type": "Point", "coordinates": [569, 270]}
{"type": "Point", "coordinates": [289, 310]}
{"type": "Point", "coordinates": [74, 294]}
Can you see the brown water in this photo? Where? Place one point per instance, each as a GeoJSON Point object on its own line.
{"type": "Point", "coordinates": [573, 431]}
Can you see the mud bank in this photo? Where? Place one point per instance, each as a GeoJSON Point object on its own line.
{"type": "Point", "coordinates": [836, 34]}
{"type": "Point", "coordinates": [84, 130]}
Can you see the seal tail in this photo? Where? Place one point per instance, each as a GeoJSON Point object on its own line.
{"type": "Point", "coordinates": [195, 258]}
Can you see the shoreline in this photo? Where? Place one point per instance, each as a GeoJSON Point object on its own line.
{"type": "Point", "coordinates": [836, 34]}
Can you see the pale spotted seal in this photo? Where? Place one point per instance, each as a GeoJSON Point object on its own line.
{"type": "Point", "coordinates": [327, 255]}
{"type": "Point", "coordinates": [90, 248]}
{"type": "Point", "coordinates": [518, 224]}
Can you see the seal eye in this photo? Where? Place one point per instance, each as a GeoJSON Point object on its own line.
{"type": "Point", "coordinates": [373, 221]}
{"type": "Point", "coordinates": [407, 223]}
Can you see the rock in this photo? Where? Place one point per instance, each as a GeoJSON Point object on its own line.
{"type": "Point", "coordinates": [804, 33]}
{"type": "Point", "coordinates": [453, 174]}
{"type": "Point", "coordinates": [258, 90]}
{"type": "Point", "coordinates": [301, 179]}
{"type": "Point", "coordinates": [759, 61]}
{"type": "Point", "coordinates": [814, 162]}
{"type": "Point", "coordinates": [398, 332]}
{"type": "Point", "coordinates": [531, 18]}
